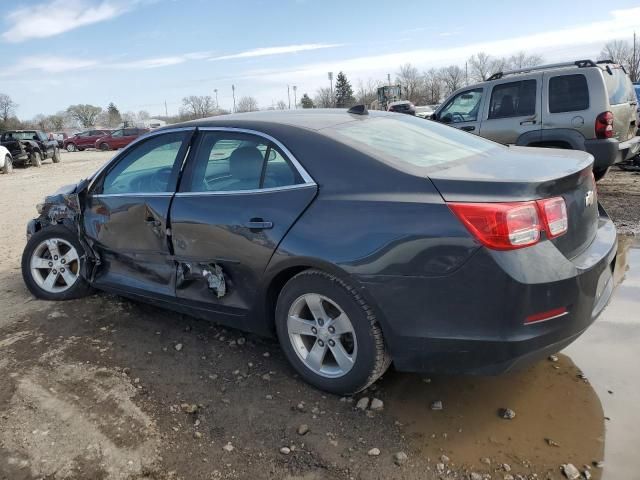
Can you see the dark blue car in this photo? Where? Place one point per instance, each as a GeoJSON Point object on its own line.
{"type": "Point", "coordinates": [359, 239]}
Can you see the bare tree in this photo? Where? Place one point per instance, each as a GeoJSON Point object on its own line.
{"type": "Point", "coordinates": [433, 86]}
{"type": "Point", "coordinates": [195, 106]}
{"type": "Point", "coordinates": [452, 78]}
{"type": "Point", "coordinates": [624, 53]}
{"type": "Point", "coordinates": [522, 60]}
{"type": "Point", "coordinates": [367, 93]}
{"type": "Point", "coordinates": [323, 98]}
{"type": "Point", "coordinates": [281, 105]}
{"type": "Point", "coordinates": [411, 82]}
{"type": "Point", "coordinates": [143, 115]}
{"type": "Point", "coordinates": [482, 66]}
{"type": "Point", "coordinates": [247, 104]}
{"type": "Point", "coordinates": [86, 115]}
{"type": "Point", "coordinates": [7, 108]}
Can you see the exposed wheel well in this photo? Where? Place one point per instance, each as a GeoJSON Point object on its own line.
{"type": "Point", "coordinates": [552, 144]}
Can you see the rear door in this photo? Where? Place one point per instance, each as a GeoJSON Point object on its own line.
{"type": "Point", "coordinates": [622, 102]}
{"type": "Point", "coordinates": [566, 103]}
{"type": "Point", "coordinates": [463, 110]}
{"type": "Point", "coordinates": [239, 195]}
{"type": "Point", "coordinates": [125, 217]}
{"type": "Point", "coordinates": [513, 109]}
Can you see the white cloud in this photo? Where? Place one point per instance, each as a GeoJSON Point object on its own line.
{"type": "Point", "coordinates": [58, 16]}
{"type": "Point", "coordinates": [261, 52]}
{"type": "Point", "coordinates": [48, 64]}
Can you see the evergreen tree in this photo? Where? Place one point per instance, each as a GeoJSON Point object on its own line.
{"type": "Point", "coordinates": [114, 117]}
{"type": "Point", "coordinates": [306, 102]}
{"type": "Point", "coordinates": [344, 92]}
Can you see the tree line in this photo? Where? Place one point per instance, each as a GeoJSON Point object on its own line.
{"type": "Point", "coordinates": [428, 87]}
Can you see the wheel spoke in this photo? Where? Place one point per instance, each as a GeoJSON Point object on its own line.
{"type": "Point", "coordinates": [341, 324]}
{"type": "Point", "coordinates": [50, 281]}
{"type": "Point", "coordinates": [314, 302]}
{"type": "Point", "coordinates": [69, 277]}
{"type": "Point", "coordinates": [344, 360]}
{"type": "Point", "coordinates": [39, 262]}
{"type": "Point", "coordinates": [52, 245]}
{"type": "Point", "coordinates": [300, 326]}
{"type": "Point", "coordinates": [316, 356]}
{"type": "Point", "coordinates": [70, 257]}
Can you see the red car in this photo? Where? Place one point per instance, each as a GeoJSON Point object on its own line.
{"type": "Point", "coordinates": [82, 140]}
{"type": "Point", "coordinates": [119, 138]}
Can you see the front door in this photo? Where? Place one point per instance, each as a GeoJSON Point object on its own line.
{"type": "Point", "coordinates": [512, 111]}
{"type": "Point", "coordinates": [463, 110]}
{"type": "Point", "coordinates": [125, 216]}
{"type": "Point", "coordinates": [239, 195]}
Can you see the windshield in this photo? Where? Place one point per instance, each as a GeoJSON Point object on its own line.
{"type": "Point", "coordinates": [410, 140]}
{"type": "Point", "coordinates": [619, 86]}
{"type": "Point", "coordinates": [19, 136]}
{"type": "Point", "coordinates": [637, 87]}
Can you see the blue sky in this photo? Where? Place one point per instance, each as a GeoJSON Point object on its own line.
{"type": "Point", "coordinates": [139, 53]}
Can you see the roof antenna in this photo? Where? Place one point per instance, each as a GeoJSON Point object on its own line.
{"type": "Point", "coordinates": [358, 110]}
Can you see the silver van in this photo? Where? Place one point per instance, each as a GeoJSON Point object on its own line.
{"type": "Point", "coordinates": [582, 105]}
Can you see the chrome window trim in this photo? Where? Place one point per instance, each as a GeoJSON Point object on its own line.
{"type": "Point", "coordinates": [118, 155]}
{"type": "Point", "coordinates": [303, 173]}
{"type": "Point", "coordinates": [241, 192]}
{"type": "Point", "coordinates": [142, 194]}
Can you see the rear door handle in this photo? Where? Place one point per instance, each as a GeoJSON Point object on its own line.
{"type": "Point", "coordinates": [258, 224]}
{"type": "Point", "coordinates": [469, 128]}
{"type": "Point", "coordinates": [528, 122]}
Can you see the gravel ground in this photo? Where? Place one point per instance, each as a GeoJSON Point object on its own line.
{"type": "Point", "coordinates": [107, 388]}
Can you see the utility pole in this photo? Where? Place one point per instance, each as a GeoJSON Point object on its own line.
{"type": "Point", "coordinates": [295, 98]}
{"type": "Point", "coordinates": [217, 105]}
{"type": "Point", "coordinates": [389, 79]}
{"type": "Point", "coordinates": [636, 61]}
{"type": "Point", "coordinates": [289, 97]}
{"type": "Point", "coordinates": [330, 75]}
{"type": "Point", "coordinates": [166, 111]}
{"type": "Point", "coordinates": [466, 73]}
{"type": "Point", "coordinates": [233, 92]}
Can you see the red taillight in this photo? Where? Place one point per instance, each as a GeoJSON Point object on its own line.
{"type": "Point", "coordinates": [507, 226]}
{"type": "Point", "coordinates": [604, 125]}
{"type": "Point", "coordinates": [544, 316]}
{"type": "Point", "coordinates": [555, 215]}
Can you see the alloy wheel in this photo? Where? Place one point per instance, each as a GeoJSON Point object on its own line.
{"type": "Point", "coordinates": [322, 335]}
{"type": "Point", "coordinates": [55, 265]}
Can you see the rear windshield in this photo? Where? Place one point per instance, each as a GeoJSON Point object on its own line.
{"type": "Point", "coordinates": [411, 140]}
{"type": "Point", "coordinates": [619, 86]}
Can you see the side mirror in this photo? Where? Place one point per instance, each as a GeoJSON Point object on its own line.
{"type": "Point", "coordinates": [448, 118]}
{"type": "Point", "coordinates": [433, 116]}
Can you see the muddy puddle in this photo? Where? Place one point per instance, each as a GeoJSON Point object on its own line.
{"type": "Point", "coordinates": [580, 409]}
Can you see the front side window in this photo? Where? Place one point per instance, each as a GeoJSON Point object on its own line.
{"type": "Point", "coordinates": [230, 162]}
{"type": "Point", "coordinates": [568, 93]}
{"type": "Point", "coordinates": [513, 99]}
{"type": "Point", "coordinates": [118, 133]}
{"type": "Point", "coordinates": [462, 108]}
{"type": "Point", "coordinates": [150, 167]}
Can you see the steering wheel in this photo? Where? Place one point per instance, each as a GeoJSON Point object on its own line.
{"type": "Point", "coordinates": [455, 116]}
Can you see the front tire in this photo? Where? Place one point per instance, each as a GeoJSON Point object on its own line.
{"type": "Point", "coordinates": [8, 164]}
{"type": "Point", "coordinates": [599, 173]}
{"type": "Point", "coordinates": [36, 159]}
{"type": "Point", "coordinates": [71, 147]}
{"type": "Point", "coordinates": [329, 333]}
{"type": "Point", "coordinates": [104, 147]}
{"type": "Point", "coordinates": [51, 265]}
{"type": "Point", "coordinates": [56, 156]}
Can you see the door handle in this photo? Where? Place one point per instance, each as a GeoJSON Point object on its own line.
{"type": "Point", "coordinates": [469, 128]}
{"type": "Point", "coordinates": [528, 122]}
{"type": "Point", "coordinates": [258, 224]}
{"type": "Point", "coordinates": [153, 222]}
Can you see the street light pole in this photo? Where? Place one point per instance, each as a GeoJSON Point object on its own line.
{"type": "Point", "coordinates": [217, 104]}
{"type": "Point", "coordinates": [330, 75]}
{"type": "Point", "coordinates": [233, 92]}
{"type": "Point", "coordinates": [295, 98]}
{"type": "Point", "coordinates": [289, 97]}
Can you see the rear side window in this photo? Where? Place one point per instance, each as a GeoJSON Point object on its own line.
{"type": "Point", "coordinates": [619, 86]}
{"type": "Point", "coordinates": [514, 99]}
{"type": "Point", "coordinates": [410, 140]}
{"type": "Point", "coordinates": [568, 93]}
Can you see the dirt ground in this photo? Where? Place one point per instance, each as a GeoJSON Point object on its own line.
{"type": "Point", "coordinates": [107, 388]}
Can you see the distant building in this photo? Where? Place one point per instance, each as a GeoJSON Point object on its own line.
{"type": "Point", "coordinates": [150, 123]}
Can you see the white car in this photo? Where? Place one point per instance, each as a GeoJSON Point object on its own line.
{"type": "Point", "coordinates": [6, 162]}
{"type": "Point", "coordinates": [424, 111]}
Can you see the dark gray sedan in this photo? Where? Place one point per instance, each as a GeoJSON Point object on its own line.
{"type": "Point", "coordinates": [359, 239]}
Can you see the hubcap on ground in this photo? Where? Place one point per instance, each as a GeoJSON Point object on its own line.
{"type": "Point", "coordinates": [322, 335]}
{"type": "Point", "coordinates": [55, 265]}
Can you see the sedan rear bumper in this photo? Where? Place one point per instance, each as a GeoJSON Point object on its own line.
{"type": "Point", "coordinates": [473, 320]}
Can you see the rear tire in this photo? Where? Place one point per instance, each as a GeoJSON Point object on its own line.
{"type": "Point", "coordinates": [36, 159]}
{"type": "Point", "coordinates": [56, 156]}
{"type": "Point", "coordinates": [356, 338]}
{"type": "Point", "coordinates": [51, 265]}
{"type": "Point", "coordinates": [599, 173]}
{"type": "Point", "coordinates": [8, 164]}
